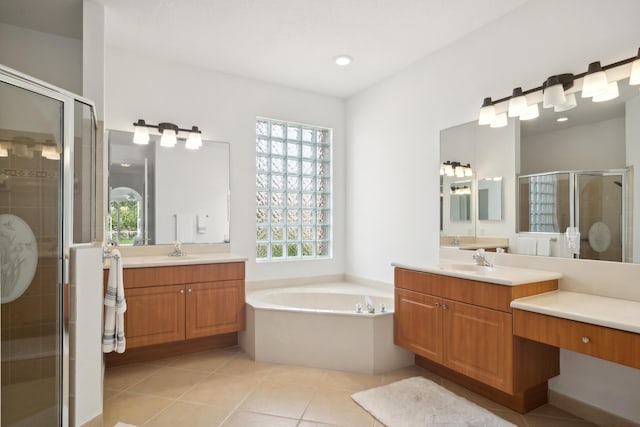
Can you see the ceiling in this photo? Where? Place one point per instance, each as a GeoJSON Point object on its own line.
{"type": "Point", "coordinates": [294, 42]}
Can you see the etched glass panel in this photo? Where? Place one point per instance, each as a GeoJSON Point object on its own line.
{"type": "Point", "coordinates": [261, 251]}
{"type": "Point", "coordinates": [262, 181]}
{"type": "Point", "coordinates": [322, 249]}
{"type": "Point", "coordinates": [276, 251]}
{"type": "Point", "coordinates": [307, 249]}
{"type": "Point", "coordinates": [261, 216]}
{"type": "Point", "coordinates": [307, 216]}
{"type": "Point", "coordinates": [293, 200]}
{"type": "Point", "coordinates": [307, 184]}
{"type": "Point", "coordinates": [323, 185]}
{"type": "Point", "coordinates": [293, 233]}
{"type": "Point", "coordinates": [323, 153]}
{"type": "Point", "coordinates": [322, 233]}
{"type": "Point", "coordinates": [322, 201]}
{"type": "Point", "coordinates": [307, 168]}
{"type": "Point", "coordinates": [323, 169]}
{"type": "Point", "coordinates": [292, 249]}
{"type": "Point", "coordinates": [323, 136]}
{"type": "Point", "coordinates": [323, 217]}
{"type": "Point", "coordinates": [307, 233]}
{"type": "Point", "coordinates": [307, 200]}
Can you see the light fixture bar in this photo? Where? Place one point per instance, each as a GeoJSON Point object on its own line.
{"type": "Point", "coordinates": [169, 134]}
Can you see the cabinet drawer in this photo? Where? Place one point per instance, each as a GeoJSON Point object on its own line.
{"type": "Point", "coordinates": [181, 274]}
{"type": "Point", "coordinates": [598, 341]}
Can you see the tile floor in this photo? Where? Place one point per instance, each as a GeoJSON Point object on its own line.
{"type": "Point", "coordinates": [227, 388]}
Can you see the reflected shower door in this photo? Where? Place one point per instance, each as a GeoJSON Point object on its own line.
{"type": "Point", "coordinates": [31, 135]}
{"type": "Point", "coordinates": [599, 200]}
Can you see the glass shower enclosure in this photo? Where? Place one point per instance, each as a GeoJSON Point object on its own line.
{"type": "Point", "coordinates": [47, 203]}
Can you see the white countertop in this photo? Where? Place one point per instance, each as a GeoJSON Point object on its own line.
{"type": "Point", "coordinates": [166, 260]}
{"type": "Point", "coordinates": [611, 312]}
{"type": "Point", "coordinates": [500, 275]}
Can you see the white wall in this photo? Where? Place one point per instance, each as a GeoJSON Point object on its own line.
{"type": "Point", "coordinates": [49, 57]}
{"type": "Point", "coordinates": [393, 134]}
{"type": "Point", "coordinates": [599, 145]}
{"type": "Point", "coordinates": [225, 108]}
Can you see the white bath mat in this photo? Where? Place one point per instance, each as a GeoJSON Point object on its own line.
{"type": "Point", "coordinates": [419, 402]}
{"type": "Point", "coordinates": [120, 424]}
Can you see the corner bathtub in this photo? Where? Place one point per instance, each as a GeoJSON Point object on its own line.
{"type": "Point", "coordinates": [317, 326]}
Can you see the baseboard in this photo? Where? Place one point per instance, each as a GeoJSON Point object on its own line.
{"type": "Point", "coordinates": [588, 412]}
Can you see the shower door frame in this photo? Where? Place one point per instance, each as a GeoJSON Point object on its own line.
{"type": "Point", "coordinates": [575, 197]}
{"type": "Point", "coordinates": [65, 233]}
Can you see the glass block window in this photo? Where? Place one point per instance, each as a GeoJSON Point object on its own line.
{"type": "Point", "coordinates": [293, 191]}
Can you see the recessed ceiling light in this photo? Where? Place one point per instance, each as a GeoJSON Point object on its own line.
{"type": "Point", "coordinates": [343, 60]}
{"type": "Point", "coordinates": [562, 119]}
{"type": "Point", "coordinates": [125, 165]}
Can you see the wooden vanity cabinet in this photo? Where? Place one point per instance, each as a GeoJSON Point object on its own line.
{"type": "Point", "coordinates": [462, 330]}
{"type": "Point", "coordinates": [171, 304]}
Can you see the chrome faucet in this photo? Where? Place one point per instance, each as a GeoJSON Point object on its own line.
{"type": "Point", "coordinates": [177, 250]}
{"type": "Point", "coordinates": [480, 258]}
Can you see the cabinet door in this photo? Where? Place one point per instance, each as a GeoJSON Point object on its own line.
{"type": "Point", "coordinates": [418, 323]}
{"type": "Point", "coordinates": [479, 343]}
{"type": "Point", "coordinates": [215, 308]}
{"type": "Point", "coordinates": [154, 315]}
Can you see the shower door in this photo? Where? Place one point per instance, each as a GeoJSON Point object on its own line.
{"type": "Point", "coordinates": [599, 214]}
{"type": "Point", "coordinates": [33, 345]}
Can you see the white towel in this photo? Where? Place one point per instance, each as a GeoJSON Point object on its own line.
{"type": "Point", "coordinates": [543, 246]}
{"type": "Point", "coordinates": [115, 306]}
{"type": "Point", "coordinates": [526, 246]}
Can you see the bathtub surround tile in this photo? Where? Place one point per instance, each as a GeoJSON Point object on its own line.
{"type": "Point", "coordinates": [285, 400]}
{"type": "Point", "coordinates": [168, 382]}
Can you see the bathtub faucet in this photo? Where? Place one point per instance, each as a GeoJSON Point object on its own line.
{"type": "Point", "coordinates": [369, 303]}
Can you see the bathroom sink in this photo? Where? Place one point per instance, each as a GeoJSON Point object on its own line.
{"type": "Point", "coordinates": [474, 268]}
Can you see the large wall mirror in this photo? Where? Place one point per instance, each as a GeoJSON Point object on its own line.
{"type": "Point", "coordinates": [560, 170]}
{"type": "Point", "coordinates": [159, 195]}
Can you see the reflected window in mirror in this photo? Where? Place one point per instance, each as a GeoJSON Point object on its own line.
{"type": "Point", "coordinates": [182, 195]}
{"type": "Point", "coordinates": [544, 203]}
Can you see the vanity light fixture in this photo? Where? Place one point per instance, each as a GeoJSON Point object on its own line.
{"type": "Point", "coordinates": [517, 103]}
{"type": "Point", "coordinates": [169, 134]}
{"type": "Point", "coordinates": [595, 85]}
{"type": "Point", "coordinates": [4, 152]}
{"type": "Point", "coordinates": [532, 112]}
{"type": "Point", "coordinates": [595, 81]}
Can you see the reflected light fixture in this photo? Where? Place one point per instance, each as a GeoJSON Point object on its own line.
{"type": "Point", "coordinates": [634, 79]}
{"type": "Point", "coordinates": [451, 168]}
{"type": "Point", "coordinates": [569, 104]}
{"type": "Point", "coordinates": [169, 134]}
{"type": "Point", "coordinates": [140, 133]}
{"type": "Point", "coordinates": [500, 121]}
{"type": "Point", "coordinates": [4, 152]}
{"type": "Point", "coordinates": [595, 81]}
{"type": "Point", "coordinates": [532, 112]}
{"type": "Point", "coordinates": [562, 119]}
{"type": "Point", "coordinates": [50, 152]}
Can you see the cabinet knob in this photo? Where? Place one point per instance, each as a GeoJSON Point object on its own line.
{"type": "Point", "coordinates": [585, 340]}
{"type": "Point", "coordinates": [436, 305]}
{"type": "Point", "coordinates": [189, 289]}
{"type": "Point", "coordinates": [445, 306]}
{"type": "Point", "coordinates": [182, 291]}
